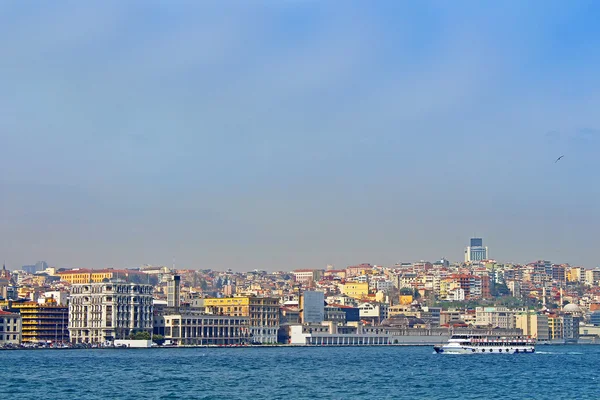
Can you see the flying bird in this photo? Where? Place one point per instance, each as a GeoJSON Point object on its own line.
{"type": "Point", "coordinates": [558, 159]}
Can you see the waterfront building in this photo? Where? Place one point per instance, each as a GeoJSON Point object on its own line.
{"type": "Point", "coordinates": [476, 251]}
{"type": "Point", "coordinates": [533, 324]}
{"type": "Point", "coordinates": [500, 317]}
{"type": "Point", "coordinates": [289, 315]}
{"type": "Point", "coordinates": [262, 311]}
{"type": "Point", "coordinates": [202, 329]}
{"type": "Point", "coordinates": [10, 328]}
{"type": "Point", "coordinates": [43, 323]}
{"type": "Point", "coordinates": [312, 307]}
{"type": "Point", "coordinates": [555, 327]}
{"type": "Point", "coordinates": [570, 325]}
{"type": "Point", "coordinates": [101, 312]}
{"type": "Point", "coordinates": [329, 333]}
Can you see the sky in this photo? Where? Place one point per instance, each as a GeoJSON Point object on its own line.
{"type": "Point", "coordinates": [284, 134]}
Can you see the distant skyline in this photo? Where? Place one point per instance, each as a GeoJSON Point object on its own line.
{"type": "Point", "coordinates": [295, 134]}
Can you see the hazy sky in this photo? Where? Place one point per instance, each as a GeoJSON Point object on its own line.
{"type": "Point", "coordinates": [282, 134]}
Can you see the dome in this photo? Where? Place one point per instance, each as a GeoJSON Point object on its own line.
{"type": "Point", "coordinates": [573, 308]}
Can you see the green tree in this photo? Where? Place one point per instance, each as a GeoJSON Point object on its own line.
{"type": "Point", "coordinates": [158, 339]}
{"type": "Point", "coordinates": [143, 335]}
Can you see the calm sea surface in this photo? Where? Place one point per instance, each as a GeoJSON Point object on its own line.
{"type": "Point", "coordinates": [554, 372]}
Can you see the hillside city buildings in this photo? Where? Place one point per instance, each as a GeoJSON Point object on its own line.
{"type": "Point", "coordinates": [406, 303]}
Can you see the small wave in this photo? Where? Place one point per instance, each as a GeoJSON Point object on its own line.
{"type": "Point", "coordinates": [545, 352]}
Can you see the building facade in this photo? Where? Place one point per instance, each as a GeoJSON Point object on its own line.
{"type": "Point", "coordinates": [312, 307]}
{"type": "Point", "coordinates": [476, 251]}
{"type": "Point", "coordinates": [495, 317]}
{"type": "Point", "coordinates": [173, 292]}
{"type": "Point", "coordinates": [10, 328]}
{"type": "Point", "coordinates": [355, 290]}
{"type": "Point", "coordinates": [203, 329]}
{"type": "Point", "coordinates": [307, 276]}
{"type": "Point", "coordinates": [103, 312]}
{"type": "Point", "coordinates": [76, 276]}
{"type": "Point", "coordinates": [263, 313]}
{"type": "Point", "coordinates": [533, 324]}
{"type": "Point", "coordinates": [43, 323]}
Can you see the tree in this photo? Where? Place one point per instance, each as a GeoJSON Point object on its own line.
{"type": "Point", "coordinates": [158, 339]}
{"type": "Point", "coordinates": [143, 335]}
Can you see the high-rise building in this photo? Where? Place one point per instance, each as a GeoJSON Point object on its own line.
{"type": "Point", "coordinates": [173, 292]}
{"type": "Point", "coordinates": [100, 312]}
{"type": "Point", "coordinates": [312, 307]}
{"type": "Point", "coordinates": [476, 251]}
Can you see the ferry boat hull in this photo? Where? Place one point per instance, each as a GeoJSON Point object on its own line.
{"type": "Point", "coordinates": [465, 344]}
{"type": "Point", "coordinates": [473, 350]}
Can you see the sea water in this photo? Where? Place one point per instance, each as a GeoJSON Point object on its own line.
{"type": "Point", "coordinates": [394, 372]}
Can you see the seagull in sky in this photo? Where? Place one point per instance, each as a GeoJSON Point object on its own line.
{"type": "Point", "coordinates": [558, 159]}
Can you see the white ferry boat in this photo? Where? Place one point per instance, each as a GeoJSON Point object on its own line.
{"type": "Point", "coordinates": [478, 344]}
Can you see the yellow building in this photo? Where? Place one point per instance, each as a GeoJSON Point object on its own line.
{"type": "Point", "coordinates": [43, 322]}
{"type": "Point", "coordinates": [356, 290]}
{"type": "Point", "coordinates": [233, 306]}
{"type": "Point", "coordinates": [443, 288]}
{"type": "Point", "coordinates": [75, 276]}
{"type": "Point", "coordinates": [402, 309]}
{"type": "Point", "coordinates": [574, 274]}
{"type": "Point", "coordinates": [555, 327]}
{"type": "Point", "coordinates": [406, 299]}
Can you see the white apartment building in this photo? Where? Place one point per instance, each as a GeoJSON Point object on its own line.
{"type": "Point", "coordinates": [592, 277]}
{"type": "Point", "coordinates": [203, 329]}
{"type": "Point", "coordinates": [100, 312]}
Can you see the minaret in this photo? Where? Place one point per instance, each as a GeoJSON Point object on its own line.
{"type": "Point", "coordinates": [561, 298]}
{"type": "Point", "coordinates": [544, 296]}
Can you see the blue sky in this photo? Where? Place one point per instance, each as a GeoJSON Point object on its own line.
{"type": "Point", "coordinates": [287, 134]}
